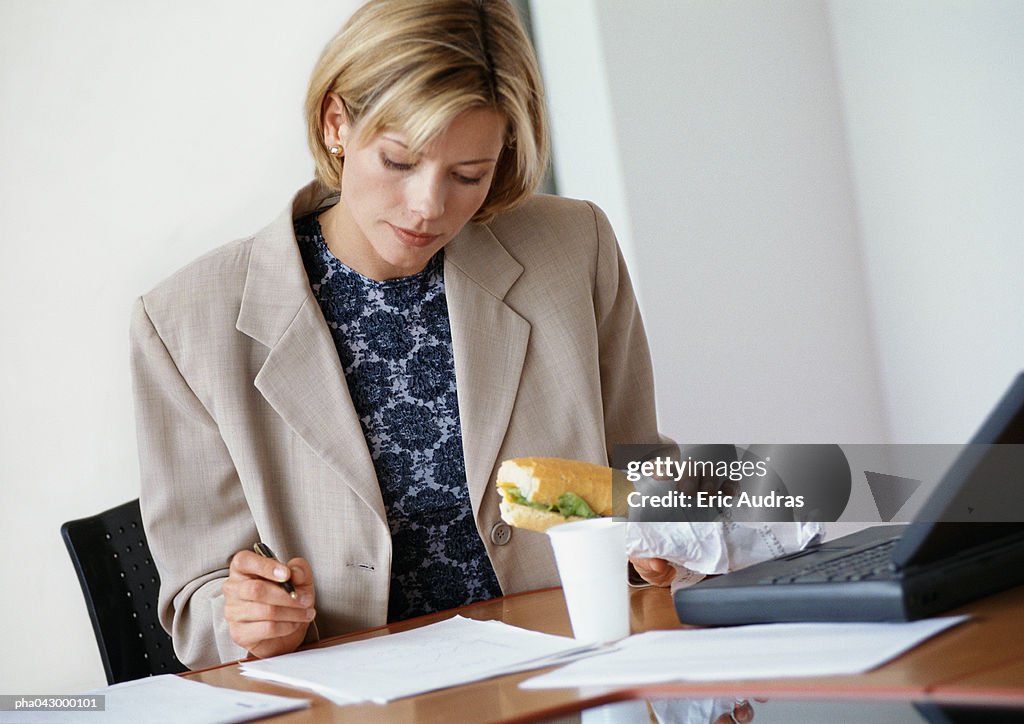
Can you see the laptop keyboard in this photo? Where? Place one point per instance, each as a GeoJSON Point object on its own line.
{"type": "Point", "coordinates": [873, 562]}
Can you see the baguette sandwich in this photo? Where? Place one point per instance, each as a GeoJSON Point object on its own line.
{"type": "Point", "coordinates": [538, 493]}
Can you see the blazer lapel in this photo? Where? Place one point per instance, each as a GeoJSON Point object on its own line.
{"type": "Point", "coordinates": [302, 377]}
{"type": "Point", "coordinates": [489, 341]}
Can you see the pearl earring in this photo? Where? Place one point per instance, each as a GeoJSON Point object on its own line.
{"type": "Point", "coordinates": [335, 151]}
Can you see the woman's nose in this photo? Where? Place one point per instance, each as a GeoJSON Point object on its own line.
{"type": "Point", "coordinates": [427, 197]}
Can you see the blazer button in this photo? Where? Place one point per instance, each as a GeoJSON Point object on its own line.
{"type": "Point", "coordinates": [501, 534]}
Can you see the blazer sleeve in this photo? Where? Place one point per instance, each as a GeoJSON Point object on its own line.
{"type": "Point", "coordinates": [193, 507]}
{"type": "Point", "coordinates": [627, 377]}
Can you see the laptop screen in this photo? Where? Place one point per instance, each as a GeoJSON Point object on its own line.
{"type": "Point", "coordinates": [982, 480]}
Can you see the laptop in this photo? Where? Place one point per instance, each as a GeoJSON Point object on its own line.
{"type": "Point", "coordinates": [895, 572]}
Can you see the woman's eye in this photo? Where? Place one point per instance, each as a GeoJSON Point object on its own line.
{"type": "Point", "coordinates": [395, 165]}
{"type": "Point", "coordinates": [468, 180]}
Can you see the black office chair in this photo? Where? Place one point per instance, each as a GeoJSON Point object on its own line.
{"type": "Point", "coordinates": [120, 584]}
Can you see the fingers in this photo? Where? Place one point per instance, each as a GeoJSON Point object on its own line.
{"type": "Point", "coordinates": [301, 575]}
{"type": "Point", "coordinates": [656, 571]}
{"type": "Point", "coordinates": [742, 713]}
{"type": "Point", "coordinates": [250, 564]}
{"type": "Point", "coordinates": [262, 616]}
{"type": "Point", "coordinates": [268, 638]}
{"type": "Point", "coordinates": [262, 619]}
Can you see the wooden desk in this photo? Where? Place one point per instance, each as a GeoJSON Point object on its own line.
{"type": "Point", "coordinates": [982, 659]}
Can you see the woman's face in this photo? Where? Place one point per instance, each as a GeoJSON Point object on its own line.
{"type": "Point", "coordinates": [398, 209]}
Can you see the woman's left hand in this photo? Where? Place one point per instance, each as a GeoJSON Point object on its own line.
{"type": "Point", "coordinates": [656, 571]}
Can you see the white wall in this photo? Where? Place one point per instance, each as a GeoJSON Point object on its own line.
{"type": "Point", "coordinates": [934, 104]}
{"type": "Point", "coordinates": [823, 201]}
{"type": "Point", "coordinates": [135, 135]}
{"type": "Point", "coordinates": [818, 260]}
{"type": "Point", "coordinates": [743, 225]}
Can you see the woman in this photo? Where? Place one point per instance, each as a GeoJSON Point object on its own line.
{"type": "Point", "coordinates": [343, 384]}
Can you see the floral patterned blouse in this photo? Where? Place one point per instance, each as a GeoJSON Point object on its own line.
{"type": "Point", "coordinates": [394, 342]}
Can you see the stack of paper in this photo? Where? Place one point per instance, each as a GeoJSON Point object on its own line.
{"type": "Point", "coordinates": [460, 650]}
{"type": "Point", "coordinates": [746, 652]}
{"type": "Point", "coordinates": [454, 651]}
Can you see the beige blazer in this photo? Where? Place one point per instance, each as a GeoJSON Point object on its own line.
{"type": "Point", "coordinates": [247, 432]}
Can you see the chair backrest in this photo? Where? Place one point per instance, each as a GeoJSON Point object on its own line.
{"type": "Point", "coordinates": [120, 584]}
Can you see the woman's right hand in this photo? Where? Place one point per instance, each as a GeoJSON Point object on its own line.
{"type": "Point", "coordinates": [262, 617]}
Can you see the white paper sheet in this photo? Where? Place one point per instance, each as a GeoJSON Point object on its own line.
{"type": "Point", "coordinates": [746, 652]}
{"type": "Point", "coordinates": [167, 699]}
{"type": "Point", "coordinates": [452, 652]}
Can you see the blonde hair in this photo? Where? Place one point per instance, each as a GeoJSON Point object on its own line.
{"type": "Point", "coordinates": [414, 65]}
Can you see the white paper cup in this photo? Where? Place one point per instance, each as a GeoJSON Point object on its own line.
{"type": "Point", "coordinates": [591, 558]}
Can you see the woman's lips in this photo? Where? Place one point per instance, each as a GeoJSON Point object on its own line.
{"type": "Point", "coordinates": [413, 238]}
